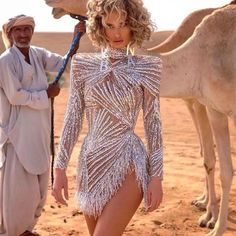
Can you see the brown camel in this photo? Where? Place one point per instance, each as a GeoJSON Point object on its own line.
{"type": "Point", "coordinates": [209, 76]}
{"type": "Point", "coordinates": [198, 113]}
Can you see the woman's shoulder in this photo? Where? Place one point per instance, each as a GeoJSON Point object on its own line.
{"type": "Point", "coordinates": [85, 61]}
{"type": "Point", "coordinates": [149, 65]}
{"type": "Point", "coordinates": [84, 65]}
{"type": "Point", "coordinates": [149, 69]}
{"type": "Point", "coordinates": [86, 57]}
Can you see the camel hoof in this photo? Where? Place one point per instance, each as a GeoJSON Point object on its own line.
{"type": "Point", "coordinates": [211, 226]}
{"type": "Point", "coordinates": [211, 223]}
{"type": "Point", "coordinates": [203, 224]}
{"type": "Point", "coordinates": [200, 204]}
{"type": "Point", "coordinates": [203, 220]}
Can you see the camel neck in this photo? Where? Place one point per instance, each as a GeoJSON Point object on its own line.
{"type": "Point", "coordinates": [179, 78]}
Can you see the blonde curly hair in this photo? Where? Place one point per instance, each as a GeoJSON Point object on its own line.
{"type": "Point", "coordinates": [136, 15]}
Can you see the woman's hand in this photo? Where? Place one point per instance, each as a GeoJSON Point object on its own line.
{"type": "Point", "coordinates": [155, 193]}
{"type": "Point", "coordinates": [60, 183]}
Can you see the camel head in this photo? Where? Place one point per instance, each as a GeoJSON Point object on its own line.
{"type": "Point", "coordinates": [63, 7]}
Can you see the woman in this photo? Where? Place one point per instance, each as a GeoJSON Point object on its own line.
{"type": "Point", "coordinates": [115, 172]}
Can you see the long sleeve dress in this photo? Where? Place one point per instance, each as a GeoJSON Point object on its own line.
{"type": "Point", "coordinates": [111, 95]}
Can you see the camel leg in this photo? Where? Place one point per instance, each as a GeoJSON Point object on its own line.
{"type": "Point", "coordinates": [190, 103]}
{"type": "Point", "coordinates": [201, 201]}
{"type": "Point", "coordinates": [219, 124]}
{"type": "Point", "coordinates": [205, 133]}
{"type": "Point", "coordinates": [201, 122]}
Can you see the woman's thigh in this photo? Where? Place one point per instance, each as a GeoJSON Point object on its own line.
{"type": "Point", "coordinates": [91, 223]}
{"type": "Point", "coordinates": [120, 209]}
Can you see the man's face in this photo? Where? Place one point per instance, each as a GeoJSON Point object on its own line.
{"type": "Point", "coordinates": [21, 35]}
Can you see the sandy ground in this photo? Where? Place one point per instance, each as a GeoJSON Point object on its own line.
{"type": "Point", "coordinates": [183, 168]}
{"type": "Point", "coordinates": [183, 182]}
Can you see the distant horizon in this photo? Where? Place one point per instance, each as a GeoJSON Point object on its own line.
{"type": "Point", "coordinates": [68, 32]}
{"type": "Point", "coordinates": [59, 41]}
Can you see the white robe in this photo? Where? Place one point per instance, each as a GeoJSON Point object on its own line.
{"type": "Point", "coordinates": [25, 107]}
{"type": "Point", "coordinates": [24, 137]}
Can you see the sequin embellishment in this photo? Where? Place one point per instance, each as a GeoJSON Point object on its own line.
{"type": "Point", "coordinates": [111, 95]}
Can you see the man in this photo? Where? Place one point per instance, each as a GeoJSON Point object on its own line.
{"type": "Point", "coordinates": [24, 126]}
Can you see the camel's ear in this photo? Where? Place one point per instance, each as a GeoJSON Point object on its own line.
{"type": "Point", "coordinates": [58, 12]}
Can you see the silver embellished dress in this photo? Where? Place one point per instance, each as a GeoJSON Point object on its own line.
{"type": "Point", "coordinates": [110, 89]}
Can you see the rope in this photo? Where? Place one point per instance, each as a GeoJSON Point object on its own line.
{"type": "Point", "coordinates": [52, 144]}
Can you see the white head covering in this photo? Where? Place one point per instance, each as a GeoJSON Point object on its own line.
{"type": "Point", "coordinates": [12, 22]}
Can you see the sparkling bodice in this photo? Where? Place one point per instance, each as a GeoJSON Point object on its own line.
{"type": "Point", "coordinates": [111, 94]}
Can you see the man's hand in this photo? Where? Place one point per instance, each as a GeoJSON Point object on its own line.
{"type": "Point", "coordinates": [53, 90]}
{"type": "Point", "coordinates": [80, 27]}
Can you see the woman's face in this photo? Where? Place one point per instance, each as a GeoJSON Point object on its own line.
{"type": "Point", "coordinates": [117, 31]}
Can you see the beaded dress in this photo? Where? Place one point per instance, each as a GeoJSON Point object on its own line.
{"type": "Point", "coordinates": [110, 89]}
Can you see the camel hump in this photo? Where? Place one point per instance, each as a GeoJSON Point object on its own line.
{"type": "Point", "coordinates": [221, 22]}
{"type": "Point", "coordinates": [216, 35]}
{"type": "Point", "coordinates": [183, 32]}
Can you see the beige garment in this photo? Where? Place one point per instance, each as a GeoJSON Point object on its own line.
{"type": "Point", "coordinates": [25, 121]}
{"type": "Point", "coordinates": [23, 195]}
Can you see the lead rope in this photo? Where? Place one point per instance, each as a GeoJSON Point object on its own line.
{"type": "Point", "coordinates": [56, 80]}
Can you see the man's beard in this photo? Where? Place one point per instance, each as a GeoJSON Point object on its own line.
{"type": "Point", "coordinates": [21, 45]}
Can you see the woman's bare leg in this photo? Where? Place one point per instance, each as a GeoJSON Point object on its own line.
{"type": "Point", "coordinates": [91, 223]}
{"type": "Point", "coordinates": [120, 209]}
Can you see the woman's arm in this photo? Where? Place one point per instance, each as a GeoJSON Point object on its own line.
{"type": "Point", "coordinates": [153, 133]}
{"type": "Point", "coordinates": [70, 132]}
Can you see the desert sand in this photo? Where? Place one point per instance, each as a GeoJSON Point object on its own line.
{"type": "Point", "coordinates": [183, 181]}
{"type": "Point", "coordinates": [183, 170]}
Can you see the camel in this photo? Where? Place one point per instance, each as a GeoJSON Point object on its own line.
{"type": "Point", "coordinates": [220, 75]}
{"type": "Point", "coordinates": [177, 38]}
{"type": "Point", "coordinates": [209, 76]}
{"type": "Point", "coordinates": [198, 113]}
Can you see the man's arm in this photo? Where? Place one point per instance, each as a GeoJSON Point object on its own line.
{"type": "Point", "coordinates": [17, 95]}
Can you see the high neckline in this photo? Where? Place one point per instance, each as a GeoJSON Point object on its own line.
{"type": "Point", "coordinates": [115, 53]}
